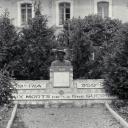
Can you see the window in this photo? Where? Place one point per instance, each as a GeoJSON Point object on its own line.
{"type": "Point", "coordinates": [64, 12]}
{"type": "Point", "coordinates": [26, 13]}
{"type": "Point", "coordinates": [103, 9]}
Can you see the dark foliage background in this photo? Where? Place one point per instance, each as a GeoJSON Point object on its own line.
{"type": "Point", "coordinates": [117, 65]}
{"type": "Point", "coordinates": [6, 88]}
{"type": "Point", "coordinates": [7, 40]}
{"type": "Point", "coordinates": [91, 40]}
{"type": "Point", "coordinates": [30, 56]}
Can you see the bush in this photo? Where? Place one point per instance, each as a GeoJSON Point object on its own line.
{"type": "Point", "coordinates": [117, 65]}
{"type": "Point", "coordinates": [27, 54]}
{"type": "Point", "coordinates": [8, 38]}
{"type": "Point", "coordinates": [32, 53]}
{"type": "Point", "coordinates": [6, 88]}
{"type": "Point", "coordinates": [87, 36]}
{"type": "Point", "coordinates": [119, 103]}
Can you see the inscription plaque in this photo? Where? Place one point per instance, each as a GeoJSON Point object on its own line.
{"type": "Point", "coordinates": [29, 84]}
{"type": "Point", "coordinates": [61, 76]}
{"type": "Point", "coordinates": [61, 79]}
{"type": "Point", "coordinates": [89, 83]}
{"type": "Point", "coordinates": [90, 96]}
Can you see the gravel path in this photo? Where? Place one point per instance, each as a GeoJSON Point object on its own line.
{"type": "Point", "coordinates": [89, 117]}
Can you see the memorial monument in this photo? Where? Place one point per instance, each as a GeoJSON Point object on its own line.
{"type": "Point", "coordinates": [61, 88]}
{"type": "Point", "coordinates": [61, 70]}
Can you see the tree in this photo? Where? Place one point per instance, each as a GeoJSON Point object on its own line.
{"type": "Point", "coordinates": [32, 56]}
{"type": "Point", "coordinates": [92, 35]}
{"type": "Point", "coordinates": [117, 64]}
{"type": "Point", "coordinates": [6, 88]}
{"type": "Point", "coordinates": [7, 39]}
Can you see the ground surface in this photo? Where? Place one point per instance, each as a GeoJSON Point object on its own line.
{"type": "Point", "coordinates": [89, 117]}
{"type": "Point", "coordinates": [122, 111]}
{"type": "Point", "coordinates": [5, 114]}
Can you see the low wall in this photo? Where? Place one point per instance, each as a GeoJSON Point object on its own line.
{"type": "Point", "coordinates": [42, 91]}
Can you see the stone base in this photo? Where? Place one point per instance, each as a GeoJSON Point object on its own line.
{"type": "Point", "coordinates": [63, 103]}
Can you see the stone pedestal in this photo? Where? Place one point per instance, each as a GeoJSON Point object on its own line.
{"type": "Point", "coordinates": [61, 77]}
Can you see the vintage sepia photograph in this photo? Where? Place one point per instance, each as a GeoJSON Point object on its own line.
{"type": "Point", "coordinates": [63, 63]}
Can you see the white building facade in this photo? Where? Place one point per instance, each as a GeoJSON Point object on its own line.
{"type": "Point", "coordinates": [57, 11]}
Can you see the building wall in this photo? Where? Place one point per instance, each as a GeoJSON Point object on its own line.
{"type": "Point", "coordinates": [81, 8]}
{"type": "Point", "coordinates": [11, 7]}
{"type": "Point", "coordinates": [48, 7]}
{"type": "Point", "coordinates": [120, 10]}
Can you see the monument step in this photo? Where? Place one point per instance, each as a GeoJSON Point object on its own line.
{"type": "Point", "coordinates": [62, 103]}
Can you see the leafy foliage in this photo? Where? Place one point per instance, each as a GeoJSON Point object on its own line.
{"type": "Point", "coordinates": [7, 40]}
{"type": "Point", "coordinates": [32, 53]}
{"type": "Point", "coordinates": [117, 73]}
{"type": "Point", "coordinates": [6, 88]}
{"type": "Point", "coordinates": [92, 36]}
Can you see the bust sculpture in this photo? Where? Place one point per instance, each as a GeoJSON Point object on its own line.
{"type": "Point", "coordinates": [60, 59]}
{"type": "Point", "coordinates": [61, 73]}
